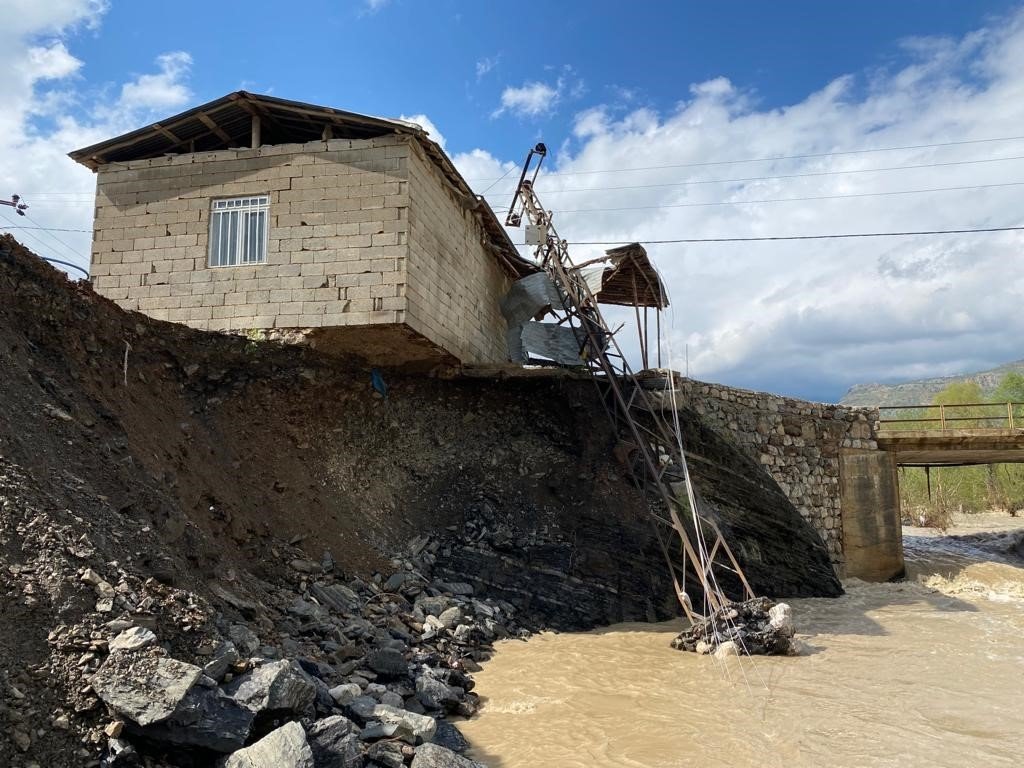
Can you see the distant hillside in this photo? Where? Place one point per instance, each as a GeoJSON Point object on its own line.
{"type": "Point", "coordinates": [923, 390]}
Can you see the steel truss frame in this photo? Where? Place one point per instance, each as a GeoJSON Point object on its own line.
{"type": "Point", "coordinates": [654, 440]}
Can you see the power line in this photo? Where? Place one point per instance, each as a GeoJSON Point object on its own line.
{"type": "Point", "coordinates": [780, 157]}
{"type": "Point", "coordinates": [781, 176]}
{"type": "Point", "coordinates": [45, 246]}
{"type": "Point", "coordinates": [843, 235]}
{"type": "Point", "coordinates": [48, 229]}
{"type": "Point", "coordinates": [787, 199]}
{"type": "Point", "coordinates": [49, 233]}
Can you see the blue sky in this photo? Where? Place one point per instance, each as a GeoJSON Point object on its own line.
{"type": "Point", "coordinates": [634, 100]}
{"type": "Point", "coordinates": [451, 60]}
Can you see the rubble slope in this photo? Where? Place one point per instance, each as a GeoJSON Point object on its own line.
{"type": "Point", "coordinates": [211, 481]}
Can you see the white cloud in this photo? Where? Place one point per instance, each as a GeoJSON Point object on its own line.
{"type": "Point", "coordinates": [485, 65]}
{"type": "Point", "coordinates": [529, 100]}
{"type": "Point", "coordinates": [813, 317]}
{"type": "Point", "coordinates": [372, 6]}
{"type": "Point", "coordinates": [52, 62]}
{"type": "Point", "coordinates": [47, 112]}
{"type": "Point", "coordinates": [162, 90]}
{"type": "Point", "coordinates": [426, 124]}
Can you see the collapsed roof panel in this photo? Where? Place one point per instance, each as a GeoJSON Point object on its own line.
{"type": "Point", "coordinates": [630, 279]}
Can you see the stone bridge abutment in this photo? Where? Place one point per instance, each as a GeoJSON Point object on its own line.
{"type": "Point", "coordinates": [826, 459]}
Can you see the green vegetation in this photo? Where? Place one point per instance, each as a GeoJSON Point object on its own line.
{"type": "Point", "coordinates": [965, 489]}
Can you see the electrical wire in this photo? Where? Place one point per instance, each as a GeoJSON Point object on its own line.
{"type": "Point", "coordinates": [781, 157]}
{"type": "Point", "coordinates": [40, 242]}
{"type": "Point", "coordinates": [789, 199]}
{"type": "Point", "coordinates": [836, 236]}
{"type": "Point", "coordinates": [771, 178]}
{"type": "Point", "coordinates": [47, 229]}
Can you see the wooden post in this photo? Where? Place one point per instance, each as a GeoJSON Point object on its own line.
{"type": "Point", "coordinates": [942, 417]}
{"type": "Point", "coordinates": [255, 142]}
{"type": "Point", "coordinates": [657, 320]}
{"type": "Point", "coordinates": [1009, 414]}
{"type": "Point", "coordinates": [928, 477]}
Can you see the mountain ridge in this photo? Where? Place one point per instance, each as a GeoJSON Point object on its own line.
{"type": "Point", "coordinates": [921, 391]}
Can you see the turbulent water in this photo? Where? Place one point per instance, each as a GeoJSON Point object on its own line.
{"type": "Point", "coordinates": [928, 672]}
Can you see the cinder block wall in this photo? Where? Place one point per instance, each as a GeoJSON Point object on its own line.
{"type": "Point", "coordinates": [454, 284]}
{"type": "Point", "coordinates": [339, 226]}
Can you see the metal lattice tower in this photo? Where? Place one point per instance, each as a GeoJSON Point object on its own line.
{"type": "Point", "coordinates": [684, 532]}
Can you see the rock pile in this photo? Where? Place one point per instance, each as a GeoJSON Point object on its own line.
{"type": "Point", "coordinates": [312, 669]}
{"type": "Point", "coordinates": [754, 627]}
{"type": "Point", "coordinates": [383, 663]}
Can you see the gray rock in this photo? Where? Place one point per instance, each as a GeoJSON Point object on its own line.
{"type": "Point", "coordinates": [450, 617]}
{"type": "Point", "coordinates": [285, 747]}
{"type": "Point", "coordinates": [280, 686]}
{"type": "Point", "coordinates": [435, 756]}
{"type": "Point", "coordinates": [387, 754]}
{"type": "Point", "coordinates": [345, 693]}
{"type": "Point", "coordinates": [433, 606]}
{"type": "Point", "coordinates": [337, 597]}
{"type": "Point", "coordinates": [434, 694]}
{"type": "Point", "coordinates": [335, 743]}
{"type": "Point", "coordinates": [361, 708]}
{"type": "Point", "coordinates": [375, 730]}
{"type": "Point", "coordinates": [387, 662]}
{"type": "Point", "coordinates": [303, 565]}
{"type": "Point", "coordinates": [224, 655]}
{"type": "Point", "coordinates": [307, 610]}
{"type": "Point", "coordinates": [450, 737]}
{"type": "Point", "coordinates": [396, 581]}
{"type": "Point", "coordinates": [205, 718]}
{"type": "Point", "coordinates": [245, 640]}
{"type": "Point", "coordinates": [412, 728]}
{"type": "Point", "coordinates": [392, 699]}
{"type": "Point", "coordinates": [134, 639]}
{"type": "Point", "coordinates": [144, 689]}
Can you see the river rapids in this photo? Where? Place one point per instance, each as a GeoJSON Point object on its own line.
{"type": "Point", "coordinates": [926, 672]}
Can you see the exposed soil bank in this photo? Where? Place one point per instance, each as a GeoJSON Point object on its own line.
{"type": "Point", "coordinates": [221, 467]}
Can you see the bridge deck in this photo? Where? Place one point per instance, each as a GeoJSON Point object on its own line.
{"type": "Point", "coordinates": [953, 446]}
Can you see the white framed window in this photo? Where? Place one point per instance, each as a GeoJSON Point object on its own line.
{"type": "Point", "coordinates": [238, 231]}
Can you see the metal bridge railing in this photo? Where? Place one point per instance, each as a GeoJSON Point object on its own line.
{"type": "Point", "coordinates": [951, 417]}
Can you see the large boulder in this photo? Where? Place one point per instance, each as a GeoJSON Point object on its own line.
{"type": "Point", "coordinates": [205, 718]}
{"type": "Point", "coordinates": [144, 689]}
{"type": "Point", "coordinates": [335, 743]}
{"type": "Point", "coordinates": [284, 748]}
{"type": "Point", "coordinates": [280, 686]}
{"type": "Point", "coordinates": [434, 756]}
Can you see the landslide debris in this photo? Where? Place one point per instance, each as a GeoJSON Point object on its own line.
{"type": "Point", "coordinates": [216, 548]}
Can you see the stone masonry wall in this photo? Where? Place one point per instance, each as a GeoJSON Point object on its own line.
{"type": "Point", "coordinates": [797, 442]}
{"type": "Point", "coordinates": [338, 235]}
{"type": "Point", "coordinates": [454, 284]}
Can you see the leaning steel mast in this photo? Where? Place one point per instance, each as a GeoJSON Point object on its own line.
{"type": "Point", "coordinates": [656, 444]}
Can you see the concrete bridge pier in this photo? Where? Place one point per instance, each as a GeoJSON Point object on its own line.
{"type": "Point", "coordinates": [870, 508]}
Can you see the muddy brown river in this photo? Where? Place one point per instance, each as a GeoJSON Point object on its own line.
{"type": "Point", "coordinates": [923, 673]}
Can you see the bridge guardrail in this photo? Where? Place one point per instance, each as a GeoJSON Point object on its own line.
{"type": "Point", "coordinates": [949, 417]}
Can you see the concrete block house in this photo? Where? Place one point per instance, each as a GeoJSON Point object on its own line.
{"type": "Point", "coordinates": [354, 233]}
